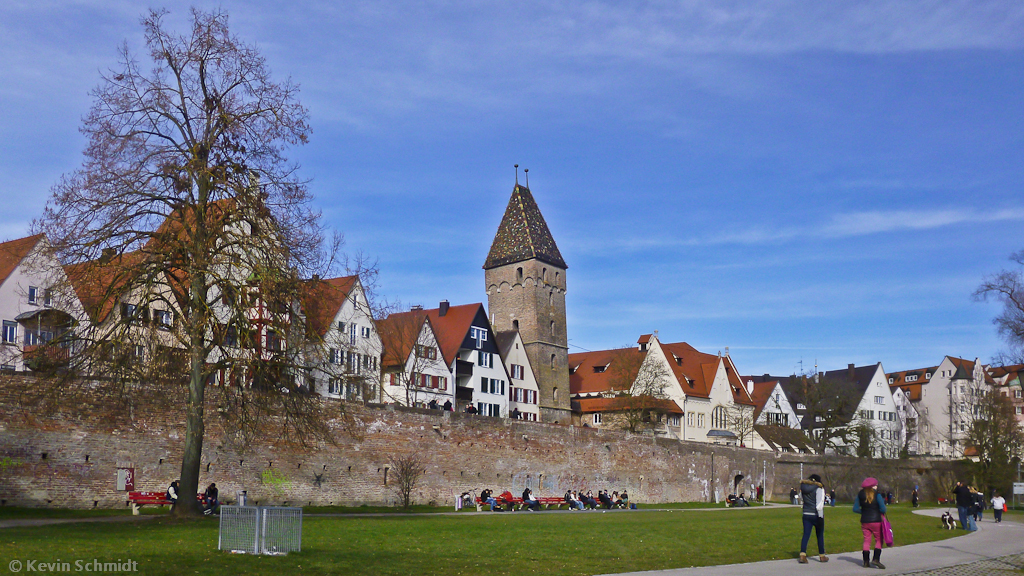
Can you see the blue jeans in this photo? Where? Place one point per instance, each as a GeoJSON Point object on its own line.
{"type": "Point", "coordinates": [819, 529]}
{"type": "Point", "coordinates": [966, 518]}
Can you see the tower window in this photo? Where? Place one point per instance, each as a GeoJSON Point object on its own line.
{"type": "Point", "coordinates": [551, 298]}
{"type": "Point", "coordinates": [544, 274]}
{"type": "Point", "coordinates": [552, 327]}
{"type": "Point", "coordinates": [515, 324]}
{"type": "Point", "coordinates": [519, 274]}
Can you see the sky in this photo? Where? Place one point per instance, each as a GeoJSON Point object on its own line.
{"type": "Point", "coordinates": [805, 183]}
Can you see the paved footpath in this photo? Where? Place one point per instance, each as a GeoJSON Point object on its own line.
{"type": "Point", "coordinates": [994, 549]}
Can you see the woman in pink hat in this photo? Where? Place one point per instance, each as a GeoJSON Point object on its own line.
{"type": "Point", "coordinates": [871, 506]}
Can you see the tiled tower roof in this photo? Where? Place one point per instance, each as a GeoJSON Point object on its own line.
{"type": "Point", "coordinates": [523, 234]}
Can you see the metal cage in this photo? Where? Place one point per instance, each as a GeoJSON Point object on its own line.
{"type": "Point", "coordinates": [260, 529]}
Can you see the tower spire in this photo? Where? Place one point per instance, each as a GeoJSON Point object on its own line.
{"type": "Point", "coordinates": [517, 176]}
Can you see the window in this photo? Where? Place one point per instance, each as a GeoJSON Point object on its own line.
{"type": "Point", "coordinates": [777, 419]}
{"type": "Point", "coordinates": [674, 420]}
{"type": "Point", "coordinates": [351, 333]}
{"type": "Point", "coordinates": [1018, 410]}
{"type": "Point", "coordinates": [891, 380]}
{"type": "Point", "coordinates": [489, 409]}
{"type": "Point", "coordinates": [879, 400]}
{"type": "Point", "coordinates": [517, 372]}
{"type": "Point", "coordinates": [341, 327]}
{"type": "Point", "coordinates": [529, 416]}
{"type": "Point", "coordinates": [1017, 393]}
{"type": "Point", "coordinates": [7, 367]}
{"type": "Point", "coordinates": [138, 351]}
{"type": "Point", "coordinates": [47, 298]}
{"type": "Point", "coordinates": [911, 377]}
{"type": "Point", "coordinates": [597, 418]}
{"type": "Point", "coordinates": [274, 343]}
{"type": "Point", "coordinates": [334, 386]}
{"type": "Point", "coordinates": [689, 419]}
{"type": "Point", "coordinates": [31, 337]}
{"type": "Point", "coordinates": [519, 274]}
{"type": "Point", "coordinates": [366, 331]}
{"type": "Point", "coordinates": [928, 376]}
{"type": "Point", "coordinates": [485, 359]}
{"type": "Point", "coordinates": [492, 386]}
{"type": "Point", "coordinates": [552, 361]}
{"type": "Point", "coordinates": [552, 327]}
{"type": "Point", "coordinates": [544, 274]}
{"type": "Point", "coordinates": [551, 298]}
{"type": "Point", "coordinates": [335, 357]}
{"type": "Point", "coordinates": [428, 352]}
{"type": "Point", "coordinates": [10, 335]}
{"type": "Point", "coordinates": [515, 325]}
{"type": "Point", "coordinates": [719, 420]}
{"type": "Point", "coordinates": [33, 294]}
{"type": "Point", "coordinates": [479, 335]}
{"type": "Point", "coordinates": [700, 420]}
{"type": "Point", "coordinates": [800, 406]}
{"type": "Point", "coordinates": [163, 319]}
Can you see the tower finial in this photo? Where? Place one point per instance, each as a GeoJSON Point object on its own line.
{"type": "Point", "coordinates": [527, 172]}
{"type": "Point", "coordinates": [517, 174]}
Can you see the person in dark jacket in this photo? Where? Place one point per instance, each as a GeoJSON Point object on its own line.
{"type": "Point", "coordinates": [813, 494]}
{"type": "Point", "coordinates": [871, 505]}
{"type": "Point", "coordinates": [172, 493]}
{"type": "Point", "coordinates": [979, 504]}
{"type": "Point", "coordinates": [606, 501]}
{"type": "Point", "coordinates": [210, 499]}
{"type": "Point", "coordinates": [964, 503]}
{"type": "Point", "coordinates": [530, 501]}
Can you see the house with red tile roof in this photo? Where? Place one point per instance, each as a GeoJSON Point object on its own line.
{"type": "Point", "coordinates": [347, 347]}
{"type": "Point", "coordinates": [413, 369]}
{"type": "Point", "coordinates": [711, 402]}
{"type": "Point", "coordinates": [1007, 381]}
{"type": "Point", "coordinates": [36, 308]}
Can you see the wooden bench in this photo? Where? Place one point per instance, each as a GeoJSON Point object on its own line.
{"type": "Point", "coordinates": [140, 499]}
{"type": "Point", "coordinates": [516, 503]}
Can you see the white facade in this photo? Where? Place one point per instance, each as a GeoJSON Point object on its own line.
{"type": "Point", "coordinates": [948, 406]}
{"type": "Point", "coordinates": [36, 305]}
{"type": "Point", "coordinates": [523, 391]}
{"type": "Point", "coordinates": [778, 411]}
{"type": "Point", "coordinates": [877, 409]}
{"type": "Point", "coordinates": [350, 367]}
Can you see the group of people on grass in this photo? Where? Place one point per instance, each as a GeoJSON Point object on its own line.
{"type": "Point", "coordinates": [577, 500]}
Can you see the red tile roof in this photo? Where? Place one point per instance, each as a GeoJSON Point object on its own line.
{"type": "Point", "coordinates": [321, 300]}
{"type": "Point", "coordinates": [398, 334]}
{"type": "Point", "coordinates": [912, 388]}
{"type": "Point", "coordinates": [100, 285]}
{"type": "Point", "coordinates": [604, 370]}
{"type": "Point", "coordinates": [590, 405]}
{"type": "Point", "coordinates": [450, 329]}
{"type": "Point", "coordinates": [13, 252]}
{"type": "Point", "coordinates": [762, 393]}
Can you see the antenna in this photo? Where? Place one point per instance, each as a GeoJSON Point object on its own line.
{"type": "Point", "coordinates": [517, 174]}
{"type": "Point", "coordinates": [527, 172]}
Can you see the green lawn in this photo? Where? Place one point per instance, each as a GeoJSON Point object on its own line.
{"type": "Point", "coordinates": [506, 543]}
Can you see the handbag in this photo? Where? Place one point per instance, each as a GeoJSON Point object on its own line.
{"type": "Point", "coordinates": [887, 535]}
{"type": "Point", "coordinates": [1004, 507]}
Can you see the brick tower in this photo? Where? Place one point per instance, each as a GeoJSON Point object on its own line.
{"type": "Point", "coordinates": [525, 279]}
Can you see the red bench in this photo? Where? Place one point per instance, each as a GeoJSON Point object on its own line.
{"type": "Point", "coordinates": [516, 503]}
{"type": "Point", "coordinates": [140, 499]}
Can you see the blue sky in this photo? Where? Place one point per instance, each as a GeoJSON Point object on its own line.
{"type": "Point", "coordinates": [815, 181]}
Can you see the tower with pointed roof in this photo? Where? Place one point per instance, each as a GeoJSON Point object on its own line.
{"type": "Point", "coordinates": [525, 279]}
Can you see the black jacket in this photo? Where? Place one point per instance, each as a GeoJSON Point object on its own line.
{"type": "Point", "coordinates": [963, 495]}
{"type": "Point", "coordinates": [869, 511]}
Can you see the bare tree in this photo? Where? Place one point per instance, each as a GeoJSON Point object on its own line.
{"type": "Point", "coordinates": [409, 352]}
{"type": "Point", "coordinates": [406, 472]}
{"type": "Point", "coordinates": [829, 410]}
{"type": "Point", "coordinates": [999, 442]}
{"type": "Point", "coordinates": [741, 421]}
{"type": "Point", "coordinates": [185, 205]}
{"type": "Point", "coordinates": [640, 382]}
{"type": "Point", "coordinates": [1007, 287]}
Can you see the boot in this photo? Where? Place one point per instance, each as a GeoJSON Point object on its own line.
{"type": "Point", "coordinates": [877, 561]}
{"type": "Point", "coordinates": [803, 558]}
{"type": "Point", "coordinates": [822, 558]}
{"type": "Point", "coordinates": [867, 559]}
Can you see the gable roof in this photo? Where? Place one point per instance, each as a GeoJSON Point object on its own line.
{"type": "Point", "coordinates": [911, 387]}
{"type": "Point", "coordinates": [100, 284]}
{"type": "Point", "coordinates": [523, 234]}
{"type": "Point", "coordinates": [13, 252]}
{"type": "Point", "coordinates": [451, 329]}
{"type": "Point", "coordinates": [505, 340]}
{"type": "Point", "coordinates": [322, 299]}
{"type": "Point", "coordinates": [778, 437]}
{"type": "Point", "coordinates": [399, 333]}
{"type": "Point", "coordinates": [604, 371]}
{"type": "Point", "coordinates": [762, 393]}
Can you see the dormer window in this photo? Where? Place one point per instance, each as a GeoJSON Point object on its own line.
{"type": "Point", "coordinates": [679, 361]}
{"type": "Point", "coordinates": [891, 380]}
{"type": "Point", "coordinates": [572, 369]}
{"type": "Point", "coordinates": [928, 376]}
{"type": "Point", "coordinates": [600, 369]}
{"type": "Point", "coordinates": [479, 335]}
{"type": "Point", "coordinates": [912, 378]}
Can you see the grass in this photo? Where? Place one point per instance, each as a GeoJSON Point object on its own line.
{"type": "Point", "coordinates": [520, 543]}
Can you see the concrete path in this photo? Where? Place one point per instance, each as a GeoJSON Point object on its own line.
{"type": "Point", "coordinates": [48, 521]}
{"type": "Point", "coordinates": [972, 553]}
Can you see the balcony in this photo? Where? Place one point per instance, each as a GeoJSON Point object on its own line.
{"type": "Point", "coordinates": [45, 357]}
{"type": "Point", "coordinates": [463, 368]}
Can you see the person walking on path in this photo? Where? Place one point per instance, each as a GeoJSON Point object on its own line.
{"type": "Point", "coordinates": [964, 503]}
{"type": "Point", "coordinates": [871, 505]}
{"type": "Point", "coordinates": [997, 506]}
{"type": "Point", "coordinates": [813, 494]}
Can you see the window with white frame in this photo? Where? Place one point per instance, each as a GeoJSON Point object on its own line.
{"type": "Point", "coordinates": [334, 386]}
{"type": "Point", "coordinates": [719, 418]}
{"type": "Point", "coordinates": [33, 294]}
{"type": "Point", "coordinates": [689, 419]}
{"type": "Point", "coordinates": [10, 334]}
{"type": "Point", "coordinates": [597, 418]}
{"type": "Point", "coordinates": [911, 378]}
{"type": "Point", "coordinates": [1018, 410]}
{"type": "Point", "coordinates": [1017, 393]}
{"type": "Point", "coordinates": [674, 420]}
{"type": "Point", "coordinates": [335, 356]}
{"type": "Point", "coordinates": [341, 327]}
{"type": "Point", "coordinates": [879, 399]}
{"type": "Point", "coordinates": [366, 331]}
{"type": "Point", "coordinates": [492, 386]}
{"type": "Point", "coordinates": [351, 333]}
{"type": "Point", "coordinates": [700, 420]}
{"type": "Point", "coordinates": [488, 409]}
{"type": "Point", "coordinates": [428, 352]}
{"type": "Point", "coordinates": [485, 359]}
{"type": "Point", "coordinates": [517, 371]}
{"type": "Point", "coordinates": [479, 335]}
{"type": "Point", "coordinates": [164, 319]}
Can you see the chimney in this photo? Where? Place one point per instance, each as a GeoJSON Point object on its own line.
{"type": "Point", "coordinates": [726, 350]}
{"type": "Point", "coordinates": [442, 309]}
{"type": "Point", "coordinates": [851, 369]}
{"type": "Point", "coordinates": [416, 307]}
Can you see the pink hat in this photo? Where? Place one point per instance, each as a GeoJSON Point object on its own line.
{"type": "Point", "coordinates": [869, 482]}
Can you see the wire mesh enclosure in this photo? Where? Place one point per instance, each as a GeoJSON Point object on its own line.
{"type": "Point", "coordinates": [260, 529]}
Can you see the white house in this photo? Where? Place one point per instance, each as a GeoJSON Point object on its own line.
{"type": "Point", "coordinates": [36, 307]}
{"type": "Point", "coordinates": [413, 369]}
{"type": "Point", "coordinates": [523, 394]}
{"type": "Point", "coordinates": [345, 355]}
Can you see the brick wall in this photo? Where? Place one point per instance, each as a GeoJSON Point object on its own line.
{"type": "Point", "coordinates": [70, 459]}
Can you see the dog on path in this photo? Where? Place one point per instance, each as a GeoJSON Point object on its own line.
{"type": "Point", "coordinates": [948, 522]}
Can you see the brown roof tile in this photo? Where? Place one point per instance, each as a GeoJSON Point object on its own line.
{"type": "Point", "coordinates": [523, 234]}
{"type": "Point", "coordinates": [590, 405]}
{"type": "Point", "coordinates": [13, 252]}
{"type": "Point", "coordinates": [321, 300]}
